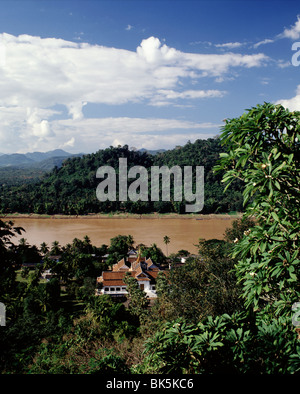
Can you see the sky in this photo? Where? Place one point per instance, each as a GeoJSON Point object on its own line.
{"type": "Point", "coordinates": [83, 75]}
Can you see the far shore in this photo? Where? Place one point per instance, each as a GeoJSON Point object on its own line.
{"type": "Point", "coordinates": [124, 215]}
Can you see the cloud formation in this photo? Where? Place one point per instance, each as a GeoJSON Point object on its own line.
{"type": "Point", "coordinates": [229, 45]}
{"type": "Point", "coordinates": [293, 104]}
{"type": "Point", "coordinates": [293, 32]}
{"type": "Point", "coordinates": [39, 74]}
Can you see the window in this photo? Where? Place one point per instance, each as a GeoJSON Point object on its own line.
{"type": "Point", "coordinates": [106, 289]}
{"type": "Point", "coordinates": [118, 289]}
{"type": "Point", "coordinates": [112, 289]}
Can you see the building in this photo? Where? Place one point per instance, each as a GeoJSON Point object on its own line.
{"type": "Point", "coordinates": [142, 269]}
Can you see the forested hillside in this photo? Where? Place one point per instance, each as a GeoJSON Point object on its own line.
{"type": "Point", "coordinates": [71, 189]}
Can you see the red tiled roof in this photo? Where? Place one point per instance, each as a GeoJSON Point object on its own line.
{"type": "Point", "coordinates": [121, 265]}
{"type": "Point", "coordinates": [153, 274]}
{"type": "Point", "coordinates": [139, 274]}
{"type": "Point", "coordinates": [116, 276]}
{"type": "Point", "coordinates": [113, 278]}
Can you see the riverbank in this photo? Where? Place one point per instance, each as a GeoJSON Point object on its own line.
{"type": "Point", "coordinates": [118, 215]}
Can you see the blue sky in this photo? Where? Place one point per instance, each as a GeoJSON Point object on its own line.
{"type": "Point", "coordinates": [82, 75]}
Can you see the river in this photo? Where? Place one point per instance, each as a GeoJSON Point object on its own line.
{"type": "Point", "coordinates": [183, 233]}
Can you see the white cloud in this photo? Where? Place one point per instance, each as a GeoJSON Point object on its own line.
{"type": "Point", "coordinates": [163, 96]}
{"type": "Point", "coordinates": [67, 144]}
{"type": "Point", "coordinates": [40, 73]}
{"type": "Point", "coordinates": [293, 32]}
{"type": "Point", "coordinates": [171, 94]}
{"type": "Point", "coordinates": [140, 132]}
{"type": "Point", "coordinates": [263, 42]}
{"type": "Point", "coordinates": [36, 125]}
{"type": "Point", "coordinates": [293, 104]}
{"type": "Point", "coordinates": [45, 72]}
{"type": "Point", "coordinates": [126, 124]}
{"type": "Point", "coordinates": [229, 45]}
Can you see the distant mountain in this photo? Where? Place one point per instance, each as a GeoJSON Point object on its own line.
{"type": "Point", "coordinates": [39, 156]}
{"type": "Point", "coordinates": [14, 159]}
{"type": "Point", "coordinates": [41, 160]}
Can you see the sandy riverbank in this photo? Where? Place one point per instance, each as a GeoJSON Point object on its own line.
{"type": "Point", "coordinates": [123, 216]}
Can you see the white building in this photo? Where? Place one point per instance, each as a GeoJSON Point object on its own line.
{"type": "Point", "coordinates": [144, 270]}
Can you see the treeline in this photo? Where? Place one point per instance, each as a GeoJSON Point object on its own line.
{"type": "Point", "coordinates": [71, 189]}
{"type": "Point", "coordinates": [15, 176]}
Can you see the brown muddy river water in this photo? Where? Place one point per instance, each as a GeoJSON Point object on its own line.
{"type": "Point", "coordinates": [183, 233]}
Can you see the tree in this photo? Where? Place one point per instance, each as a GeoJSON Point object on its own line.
{"type": "Point", "coordinates": [55, 250]}
{"type": "Point", "coordinates": [138, 301]}
{"type": "Point", "coordinates": [199, 288]}
{"type": "Point", "coordinates": [263, 153]}
{"type": "Point", "coordinates": [27, 253]}
{"type": "Point", "coordinates": [87, 244]}
{"type": "Point", "coordinates": [239, 228]}
{"type": "Point", "coordinates": [44, 249]}
{"type": "Point", "coordinates": [130, 241]}
{"type": "Point", "coordinates": [119, 247]}
{"type": "Point", "coordinates": [155, 253]}
{"type": "Point", "coordinates": [7, 257]}
{"type": "Point", "coordinates": [166, 242]}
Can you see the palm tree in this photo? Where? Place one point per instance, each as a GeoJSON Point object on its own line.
{"type": "Point", "coordinates": [55, 250]}
{"type": "Point", "coordinates": [23, 243]}
{"type": "Point", "coordinates": [166, 241]}
{"type": "Point", "coordinates": [44, 248]}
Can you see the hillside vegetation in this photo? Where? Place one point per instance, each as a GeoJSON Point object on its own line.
{"type": "Point", "coordinates": [71, 189]}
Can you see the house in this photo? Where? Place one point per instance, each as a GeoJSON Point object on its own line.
{"type": "Point", "coordinates": [144, 270]}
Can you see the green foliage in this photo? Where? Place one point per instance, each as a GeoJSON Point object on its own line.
{"type": "Point", "coordinates": [154, 253]}
{"type": "Point", "coordinates": [200, 287]}
{"type": "Point", "coordinates": [226, 344]}
{"type": "Point", "coordinates": [112, 317]}
{"type": "Point", "coordinates": [7, 257]}
{"type": "Point", "coordinates": [106, 362]}
{"type": "Point", "coordinates": [264, 154]}
{"type": "Point", "coordinates": [238, 229]}
{"type": "Point", "coordinates": [119, 247]}
{"type": "Point", "coordinates": [137, 298]}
